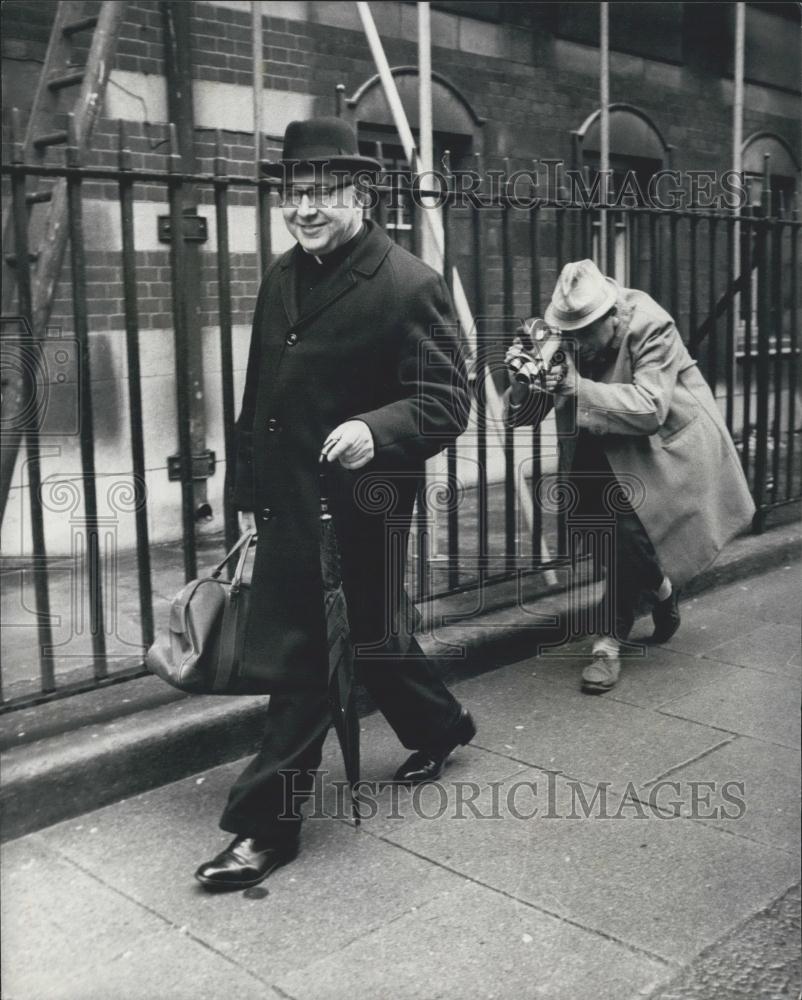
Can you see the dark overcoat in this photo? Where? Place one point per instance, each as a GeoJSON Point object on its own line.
{"type": "Point", "coordinates": [377, 341]}
{"type": "Point", "coordinates": [660, 428]}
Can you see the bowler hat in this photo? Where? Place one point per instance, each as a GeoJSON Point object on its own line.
{"type": "Point", "coordinates": [319, 142]}
{"type": "Point", "coordinates": [582, 295]}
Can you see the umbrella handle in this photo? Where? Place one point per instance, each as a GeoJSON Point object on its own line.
{"type": "Point", "coordinates": [323, 481]}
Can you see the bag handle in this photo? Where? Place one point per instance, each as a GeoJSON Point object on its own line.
{"type": "Point", "coordinates": [236, 579]}
{"type": "Point", "coordinates": [247, 538]}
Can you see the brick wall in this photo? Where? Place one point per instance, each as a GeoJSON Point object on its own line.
{"type": "Point", "coordinates": [531, 106]}
{"type": "Point", "coordinates": [531, 110]}
{"type": "Point", "coordinates": [532, 88]}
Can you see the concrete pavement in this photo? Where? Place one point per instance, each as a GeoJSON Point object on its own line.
{"type": "Point", "coordinates": [120, 740]}
{"type": "Point", "coordinates": [661, 862]}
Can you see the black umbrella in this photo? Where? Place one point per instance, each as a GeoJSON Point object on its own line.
{"type": "Point", "coordinates": [342, 695]}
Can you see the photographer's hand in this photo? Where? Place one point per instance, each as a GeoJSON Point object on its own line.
{"type": "Point", "coordinates": [561, 378]}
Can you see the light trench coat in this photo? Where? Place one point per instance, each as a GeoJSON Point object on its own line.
{"type": "Point", "coordinates": [662, 434]}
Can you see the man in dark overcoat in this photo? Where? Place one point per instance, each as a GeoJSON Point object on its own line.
{"type": "Point", "coordinates": [642, 446]}
{"type": "Point", "coordinates": [355, 366]}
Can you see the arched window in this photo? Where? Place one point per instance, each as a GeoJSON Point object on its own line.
{"type": "Point", "coordinates": [637, 151]}
{"type": "Point", "coordinates": [766, 153]}
{"type": "Point", "coordinates": [456, 129]}
{"type": "Point", "coordinates": [634, 138]}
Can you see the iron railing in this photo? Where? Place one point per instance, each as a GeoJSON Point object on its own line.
{"type": "Point", "coordinates": [730, 280]}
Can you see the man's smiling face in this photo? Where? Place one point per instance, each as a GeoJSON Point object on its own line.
{"type": "Point", "coordinates": [321, 211]}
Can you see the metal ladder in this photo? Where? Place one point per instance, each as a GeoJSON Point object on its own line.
{"type": "Point", "coordinates": [47, 229]}
{"type": "Point", "coordinates": [60, 76]}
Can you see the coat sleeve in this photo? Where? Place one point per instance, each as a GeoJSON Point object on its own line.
{"type": "Point", "coordinates": [433, 402]}
{"type": "Point", "coordinates": [243, 482]}
{"type": "Point", "coordinates": [642, 406]}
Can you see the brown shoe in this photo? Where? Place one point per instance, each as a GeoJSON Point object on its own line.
{"type": "Point", "coordinates": [602, 674]}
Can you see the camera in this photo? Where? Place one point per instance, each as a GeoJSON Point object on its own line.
{"type": "Point", "coordinates": [544, 345]}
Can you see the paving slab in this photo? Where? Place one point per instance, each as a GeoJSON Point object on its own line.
{"type": "Point", "coordinates": [149, 847]}
{"type": "Point", "coordinates": [493, 904]}
{"type": "Point", "coordinates": [385, 804]}
{"type": "Point", "coordinates": [649, 680]}
{"type": "Point", "coordinates": [770, 779]}
{"type": "Point", "coordinates": [591, 738]}
{"type": "Point", "coordinates": [753, 703]}
{"type": "Point", "coordinates": [773, 596]}
{"type": "Point", "coordinates": [703, 628]}
{"type": "Point", "coordinates": [760, 961]}
{"type": "Point", "coordinates": [162, 967]}
{"type": "Point", "coordinates": [478, 944]}
{"type": "Point", "coordinates": [67, 935]}
{"type": "Point", "coordinates": [774, 648]}
{"type": "Point", "coordinates": [665, 886]}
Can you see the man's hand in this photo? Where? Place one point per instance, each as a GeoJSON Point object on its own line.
{"type": "Point", "coordinates": [247, 521]}
{"type": "Point", "coordinates": [561, 378]}
{"type": "Point", "coordinates": [350, 443]}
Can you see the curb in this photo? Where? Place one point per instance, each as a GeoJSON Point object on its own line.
{"type": "Point", "coordinates": [78, 766]}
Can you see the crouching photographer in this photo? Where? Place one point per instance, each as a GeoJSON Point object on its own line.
{"type": "Point", "coordinates": [631, 407]}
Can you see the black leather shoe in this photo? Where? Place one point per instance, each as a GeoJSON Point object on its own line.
{"type": "Point", "coordinates": [427, 765]}
{"type": "Point", "coordinates": [666, 618]}
{"type": "Point", "coordinates": [244, 863]}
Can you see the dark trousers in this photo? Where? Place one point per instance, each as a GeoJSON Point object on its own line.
{"type": "Point", "coordinates": [627, 558]}
{"type": "Point", "coordinates": [264, 800]}
{"type": "Point", "coordinates": [633, 574]}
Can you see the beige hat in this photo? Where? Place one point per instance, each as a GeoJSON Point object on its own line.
{"type": "Point", "coordinates": [582, 295]}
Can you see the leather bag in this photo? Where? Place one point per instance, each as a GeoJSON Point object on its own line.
{"type": "Point", "coordinates": [201, 648]}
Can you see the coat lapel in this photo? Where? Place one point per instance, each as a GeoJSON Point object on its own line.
{"type": "Point", "coordinates": [289, 287]}
{"type": "Point", "coordinates": [339, 283]}
{"type": "Point", "coordinates": [364, 261]}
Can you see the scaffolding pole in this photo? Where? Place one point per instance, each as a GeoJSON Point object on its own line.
{"type": "Point", "coordinates": [258, 103]}
{"type": "Point", "coordinates": [737, 141]}
{"type": "Point", "coordinates": [434, 221]}
{"type": "Point", "coordinates": [604, 87]}
{"type": "Point", "coordinates": [738, 92]}
{"type": "Point", "coordinates": [428, 252]}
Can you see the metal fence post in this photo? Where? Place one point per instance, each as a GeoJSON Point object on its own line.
{"type": "Point", "coordinates": [791, 467]}
{"type": "Point", "coordinates": [451, 454]}
{"type": "Point", "coordinates": [87, 435]}
{"type": "Point", "coordinates": [30, 423]}
{"type": "Point", "coordinates": [126, 189]}
{"type": "Point", "coordinates": [763, 345]}
{"type": "Point", "coordinates": [224, 314]}
{"type": "Point", "coordinates": [507, 263]}
{"type": "Point", "coordinates": [482, 374]}
{"type": "Point", "coordinates": [182, 386]}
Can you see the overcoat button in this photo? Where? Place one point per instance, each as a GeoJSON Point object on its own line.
{"type": "Point", "coordinates": [267, 513]}
{"type": "Point", "coordinates": [292, 340]}
{"type": "Point", "coordinates": [272, 424]}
